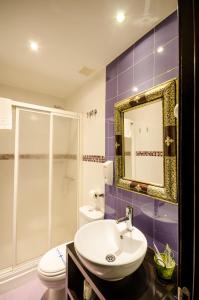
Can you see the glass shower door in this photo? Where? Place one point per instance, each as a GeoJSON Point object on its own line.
{"type": "Point", "coordinates": [64, 179]}
{"type": "Point", "coordinates": [32, 185]}
{"type": "Point", "coordinates": [38, 185]}
{"type": "Point", "coordinates": [7, 137]}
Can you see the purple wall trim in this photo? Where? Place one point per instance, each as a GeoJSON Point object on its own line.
{"type": "Point", "coordinates": [141, 66]}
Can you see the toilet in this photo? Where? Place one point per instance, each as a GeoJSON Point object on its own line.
{"type": "Point", "coordinates": [88, 213]}
{"type": "Point", "coordinates": [52, 266]}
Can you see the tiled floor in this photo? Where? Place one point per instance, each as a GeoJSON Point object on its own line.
{"type": "Point", "coordinates": [31, 290]}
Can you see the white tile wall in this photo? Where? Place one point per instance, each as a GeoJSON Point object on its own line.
{"type": "Point", "coordinates": [91, 96]}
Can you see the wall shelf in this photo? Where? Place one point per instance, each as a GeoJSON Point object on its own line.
{"type": "Point", "coordinates": [141, 285]}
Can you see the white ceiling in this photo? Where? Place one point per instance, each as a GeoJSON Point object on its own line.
{"type": "Point", "coordinates": [72, 34]}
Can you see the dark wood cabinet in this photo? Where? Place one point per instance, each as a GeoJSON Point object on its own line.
{"type": "Point", "coordinates": [141, 285]}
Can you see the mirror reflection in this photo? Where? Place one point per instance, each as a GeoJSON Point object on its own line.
{"type": "Point", "coordinates": [143, 143]}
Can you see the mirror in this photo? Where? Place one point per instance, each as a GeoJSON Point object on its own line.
{"type": "Point", "coordinates": [145, 142]}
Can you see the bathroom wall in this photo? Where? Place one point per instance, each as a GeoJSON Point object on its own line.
{"type": "Point", "coordinates": [139, 68]}
{"type": "Point", "coordinates": [91, 96]}
{"type": "Point", "coordinates": [19, 94]}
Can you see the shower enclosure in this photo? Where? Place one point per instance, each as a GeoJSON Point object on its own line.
{"type": "Point", "coordinates": [39, 163]}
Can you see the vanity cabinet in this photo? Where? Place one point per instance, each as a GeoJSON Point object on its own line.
{"type": "Point", "coordinates": [141, 285]}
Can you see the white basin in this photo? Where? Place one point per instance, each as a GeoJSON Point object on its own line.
{"type": "Point", "coordinates": [105, 239]}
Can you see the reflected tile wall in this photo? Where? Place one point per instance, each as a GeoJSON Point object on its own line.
{"type": "Point", "coordinates": [143, 67]}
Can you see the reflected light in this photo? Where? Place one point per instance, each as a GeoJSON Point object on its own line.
{"type": "Point", "coordinates": [160, 49]}
{"type": "Point", "coordinates": [135, 89]}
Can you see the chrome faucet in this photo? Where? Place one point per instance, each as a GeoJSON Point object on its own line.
{"type": "Point", "coordinates": [128, 218]}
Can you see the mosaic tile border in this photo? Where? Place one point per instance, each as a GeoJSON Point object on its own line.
{"type": "Point", "coordinates": [6, 156]}
{"type": "Point", "coordinates": [38, 156]}
{"type": "Point", "coordinates": [88, 158]}
{"type": "Point", "coordinates": [94, 158]}
{"type": "Point", "coordinates": [149, 153]}
{"type": "Point", "coordinates": [127, 153]}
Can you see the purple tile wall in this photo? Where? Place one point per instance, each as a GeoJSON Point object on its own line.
{"type": "Point", "coordinates": [142, 67]}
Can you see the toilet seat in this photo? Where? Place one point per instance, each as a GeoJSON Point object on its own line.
{"type": "Point", "coordinates": [53, 263]}
{"type": "Point", "coordinates": [51, 274]}
{"type": "Point", "coordinates": [52, 269]}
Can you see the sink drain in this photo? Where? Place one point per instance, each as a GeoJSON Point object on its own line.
{"type": "Point", "coordinates": [110, 257]}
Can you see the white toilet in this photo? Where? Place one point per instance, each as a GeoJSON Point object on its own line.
{"type": "Point", "coordinates": [88, 213]}
{"type": "Point", "coordinates": [52, 266]}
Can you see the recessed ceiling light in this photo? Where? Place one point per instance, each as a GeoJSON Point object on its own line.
{"type": "Point", "coordinates": [34, 46]}
{"type": "Point", "coordinates": [120, 16]}
{"type": "Point", "coordinates": [160, 49]}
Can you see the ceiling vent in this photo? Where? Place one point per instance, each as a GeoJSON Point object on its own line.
{"type": "Point", "coordinates": [86, 71]}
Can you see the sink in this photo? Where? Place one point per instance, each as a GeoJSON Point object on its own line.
{"type": "Point", "coordinates": [108, 250]}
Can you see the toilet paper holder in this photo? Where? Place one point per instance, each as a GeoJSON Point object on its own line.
{"type": "Point", "coordinates": [98, 195]}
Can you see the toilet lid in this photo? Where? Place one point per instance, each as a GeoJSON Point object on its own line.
{"type": "Point", "coordinates": [54, 261]}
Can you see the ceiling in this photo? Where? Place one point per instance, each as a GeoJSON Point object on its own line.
{"type": "Point", "coordinates": [72, 34]}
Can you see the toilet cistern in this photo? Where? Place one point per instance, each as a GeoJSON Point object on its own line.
{"type": "Point", "coordinates": [128, 218]}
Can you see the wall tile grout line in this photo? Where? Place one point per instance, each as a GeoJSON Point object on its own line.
{"type": "Point", "coordinates": [164, 68]}
{"type": "Point", "coordinates": [144, 82]}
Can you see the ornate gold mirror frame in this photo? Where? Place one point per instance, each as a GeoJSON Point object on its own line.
{"type": "Point", "coordinates": [167, 92]}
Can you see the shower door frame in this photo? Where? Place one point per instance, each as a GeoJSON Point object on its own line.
{"type": "Point", "coordinates": [16, 270]}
